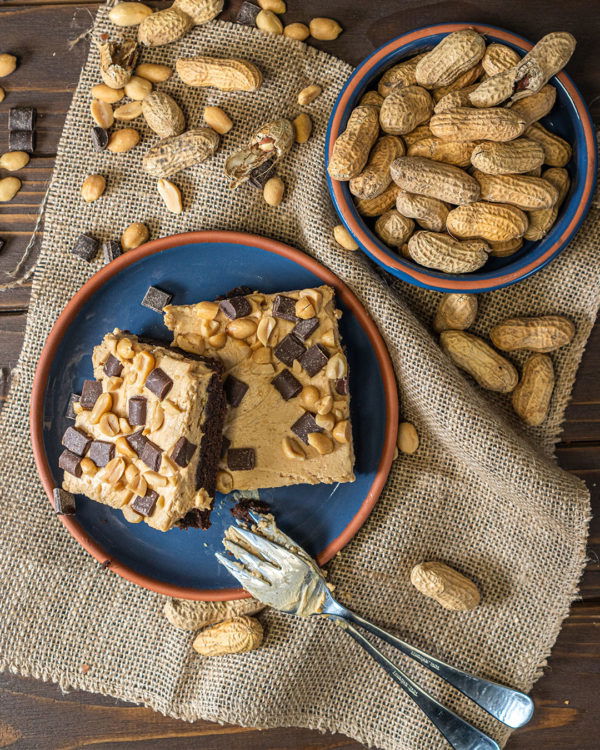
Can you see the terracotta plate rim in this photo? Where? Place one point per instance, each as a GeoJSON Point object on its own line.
{"type": "Point", "coordinates": [94, 284]}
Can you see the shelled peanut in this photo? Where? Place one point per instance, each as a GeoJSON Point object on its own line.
{"type": "Point", "coordinates": [462, 120]}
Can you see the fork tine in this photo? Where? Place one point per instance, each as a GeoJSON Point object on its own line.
{"type": "Point", "coordinates": [248, 581]}
{"type": "Point", "coordinates": [253, 563]}
{"type": "Point", "coordinates": [272, 552]}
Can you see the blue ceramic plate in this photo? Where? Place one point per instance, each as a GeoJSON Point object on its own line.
{"type": "Point", "coordinates": [569, 118]}
{"type": "Point", "coordinates": [321, 518]}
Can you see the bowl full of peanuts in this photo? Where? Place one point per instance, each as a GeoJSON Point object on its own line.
{"type": "Point", "coordinates": [461, 157]}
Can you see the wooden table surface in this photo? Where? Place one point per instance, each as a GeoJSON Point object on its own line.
{"type": "Point", "coordinates": [38, 715]}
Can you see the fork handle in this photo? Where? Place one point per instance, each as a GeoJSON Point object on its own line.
{"type": "Point", "coordinates": [509, 706]}
{"type": "Point", "coordinates": [460, 734]}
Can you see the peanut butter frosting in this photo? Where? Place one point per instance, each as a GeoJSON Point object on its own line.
{"type": "Point", "coordinates": [286, 381]}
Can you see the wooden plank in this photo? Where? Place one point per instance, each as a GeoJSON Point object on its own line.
{"type": "Point", "coordinates": [37, 715]}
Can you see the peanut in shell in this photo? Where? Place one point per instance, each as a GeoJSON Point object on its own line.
{"type": "Point", "coordinates": [544, 334]}
{"type": "Point", "coordinates": [351, 149]}
{"type": "Point", "coordinates": [429, 213]}
{"type": "Point", "coordinates": [380, 204]}
{"type": "Point", "coordinates": [453, 56]}
{"type": "Point", "coordinates": [449, 152]}
{"type": "Point", "coordinates": [512, 157]}
{"type": "Point", "coordinates": [401, 74]}
{"type": "Point", "coordinates": [375, 177]}
{"type": "Point", "coordinates": [475, 356]}
{"type": "Point", "coordinates": [404, 109]}
{"type": "Point", "coordinates": [466, 124]}
{"type": "Point", "coordinates": [181, 151]}
{"type": "Point", "coordinates": [445, 182]}
{"type": "Point", "coordinates": [525, 192]}
{"type": "Point", "coordinates": [493, 222]}
{"type": "Point", "coordinates": [393, 228]}
{"type": "Point", "coordinates": [443, 253]}
{"type": "Point", "coordinates": [557, 152]}
{"type": "Point", "coordinates": [463, 81]}
{"type": "Point", "coordinates": [536, 106]}
{"type": "Point", "coordinates": [547, 58]}
{"type": "Point", "coordinates": [542, 220]}
{"type": "Point", "coordinates": [531, 398]}
{"type": "Point", "coordinates": [498, 58]}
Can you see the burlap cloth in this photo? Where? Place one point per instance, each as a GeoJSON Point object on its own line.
{"type": "Point", "coordinates": [482, 493]}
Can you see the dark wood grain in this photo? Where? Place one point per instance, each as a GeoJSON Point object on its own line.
{"type": "Point", "coordinates": [37, 715]}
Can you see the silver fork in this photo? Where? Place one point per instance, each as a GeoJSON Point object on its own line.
{"type": "Point", "coordinates": [275, 570]}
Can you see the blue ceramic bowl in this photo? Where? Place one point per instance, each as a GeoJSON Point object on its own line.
{"type": "Point", "coordinates": [322, 518]}
{"type": "Point", "coordinates": [570, 119]}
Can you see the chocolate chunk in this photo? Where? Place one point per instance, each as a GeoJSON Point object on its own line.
{"type": "Point", "coordinates": [136, 410]}
{"type": "Point", "coordinates": [284, 307]}
{"type": "Point", "coordinates": [145, 505]}
{"type": "Point", "coordinates": [304, 426]}
{"type": "Point", "coordinates": [21, 140]}
{"type": "Point", "coordinates": [86, 247]}
{"type": "Point", "coordinates": [70, 462]}
{"type": "Point", "coordinates": [137, 441]}
{"type": "Point", "coordinates": [260, 175]}
{"type": "Point", "coordinates": [113, 367]}
{"type": "Point", "coordinates": [247, 14]}
{"type": "Point", "coordinates": [287, 385]}
{"type": "Point", "coordinates": [235, 307]}
{"type": "Point", "coordinates": [99, 138]}
{"type": "Point", "coordinates": [101, 452]}
{"type": "Point", "coordinates": [111, 249]}
{"type": "Point", "coordinates": [289, 349]}
{"type": "Point", "coordinates": [2, 243]}
{"type": "Point", "coordinates": [151, 455]}
{"type": "Point", "coordinates": [241, 459]}
{"type": "Point", "coordinates": [242, 508]}
{"type": "Point", "coordinates": [314, 359]}
{"type": "Point", "coordinates": [21, 118]}
{"type": "Point", "coordinates": [303, 328]}
{"type": "Point", "coordinates": [183, 451]}
{"type": "Point", "coordinates": [226, 442]}
{"type": "Point", "coordinates": [76, 441]}
{"type": "Point", "coordinates": [341, 386]}
{"type": "Point", "coordinates": [156, 298]}
{"type": "Point", "coordinates": [235, 390]}
{"type": "Point", "coordinates": [73, 399]}
{"type": "Point", "coordinates": [158, 383]}
{"type": "Point", "coordinates": [237, 291]}
{"type": "Point", "coordinates": [64, 502]}
{"type": "Point", "coordinates": [90, 393]}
